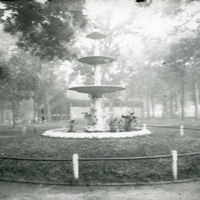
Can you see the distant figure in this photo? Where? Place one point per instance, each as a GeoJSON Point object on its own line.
{"type": "Point", "coordinates": [71, 125]}
{"type": "Point", "coordinates": [42, 119]}
{"type": "Point", "coordinates": [42, 116]}
{"type": "Point", "coordinates": [24, 130]}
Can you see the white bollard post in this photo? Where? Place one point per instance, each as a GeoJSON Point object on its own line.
{"type": "Point", "coordinates": [75, 166]}
{"type": "Point", "coordinates": [182, 130]}
{"type": "Point", "coordinates": [174, 164]}
{"type": "Point", "coordinates": [144, 126]}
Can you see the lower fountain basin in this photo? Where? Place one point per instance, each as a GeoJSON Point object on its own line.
{"type": "Point", "coordinates": [63, 134]}
{"type": "Point", "coordinates": [97, 90]}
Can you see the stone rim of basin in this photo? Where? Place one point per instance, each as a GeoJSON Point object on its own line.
{"type": "Point", "coordinates": [97, 90]}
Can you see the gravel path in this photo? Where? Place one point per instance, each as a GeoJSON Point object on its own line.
{"type": "Point", "coordinates": [178, 191]}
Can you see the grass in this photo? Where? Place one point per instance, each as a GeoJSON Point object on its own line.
{"type": "Point", "coordinates": [161, 142]}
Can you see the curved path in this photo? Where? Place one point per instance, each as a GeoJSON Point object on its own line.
{"type": "Point", "coordinates": [174, 191]}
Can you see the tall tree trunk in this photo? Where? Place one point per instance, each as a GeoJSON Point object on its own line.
{"type": "Point", "coordinates": [143, 108]}
{"type": "Point", "coordinates": [147, 106]}
{"type": "Point", "coordinates": [35, 113]}
{"type": "Point", "coordinates": [68, 110]}
{"type": "Point", "coordinates": [153, 106]}
{"type": "Point", "coordinates": [133, 98]}
{"type": "Point", "coordinates": [47, 106]}
{"type": "Point", "coordinates": [196, 100]}
{"type": "Point", "coordinates": [182, 98]}
{"type": "Point", "coordinates": [14, 114]}
{"type": "Point", "coordinates": [133, 105]}
{"type": "Point", "coordinates": [171, 105]}
{"type": "Point", "coordinates": [165, 106]}
{"type": "Point", "coordinates": [2, 112]}
{"type": "Point", "coordinates": [176, 103]}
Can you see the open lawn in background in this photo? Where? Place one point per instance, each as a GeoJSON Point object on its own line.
{"type": "Point", "coordinates": [160, 142]}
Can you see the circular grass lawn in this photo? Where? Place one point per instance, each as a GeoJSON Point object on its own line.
{"type": "Point", "coordinates": [160, 142]}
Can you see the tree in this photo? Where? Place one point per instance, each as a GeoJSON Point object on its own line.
{"type": "Point", "coordinates": [46, 30]}
{"type": "Point", "coordinates": [53, 82]}
{"type": "Point", "coordinates": [19, 83]}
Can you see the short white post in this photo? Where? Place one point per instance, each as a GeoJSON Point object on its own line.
{"type": "Point", "coordinates": [75, 166]}
{"type": "Point", "coordinates": [144, 126]}
{"type": "Point", "coordinates": [182, 130]}
{"type": "Point", "coordinates": [174, 164]}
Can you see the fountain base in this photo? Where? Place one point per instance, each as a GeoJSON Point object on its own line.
{"type": "Point", "coordinates": [63, 134]}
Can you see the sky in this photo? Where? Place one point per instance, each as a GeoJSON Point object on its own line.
{"type": "Point", "coordinates": [151, 19]}
{"type": "Point", "coordinates": [119, 10]}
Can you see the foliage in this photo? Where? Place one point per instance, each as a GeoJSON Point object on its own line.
{"type": "Point", "coordinates": [46, 30]}
{"type": "Point", "coordinates": [130, 121]}
{"type": "Point", "coordinates": [20, 81]}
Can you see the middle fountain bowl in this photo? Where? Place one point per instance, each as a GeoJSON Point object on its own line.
{"type": "Point", "coordinates": [97, 90]}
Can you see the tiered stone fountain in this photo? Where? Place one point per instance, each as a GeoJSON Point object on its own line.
{"type": "Point", "coordinates": [97, 126]}
{"type": "Point", "coordinates": [96, 91]}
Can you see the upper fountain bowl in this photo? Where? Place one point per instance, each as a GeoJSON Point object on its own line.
{"type": "Point", "coordinates": [97, 90]}
{"type": "Point", "coordinates": [96, 60]}
{"type": "Point", "coordinates": [96, 35]}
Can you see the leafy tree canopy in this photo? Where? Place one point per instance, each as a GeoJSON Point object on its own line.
{"type": "Point", "coordinates": [46, 30]}
{"type": "Point", "coordinates": [20, 80]}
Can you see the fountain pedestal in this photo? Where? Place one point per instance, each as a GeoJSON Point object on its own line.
{"type": "Point", "coordinates": [96, 110]}
{"type": "Point", "coordinates": [97, 122]}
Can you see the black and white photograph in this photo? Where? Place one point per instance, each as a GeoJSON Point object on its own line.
{"type": "Point", "coordinates": [99, 99]}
